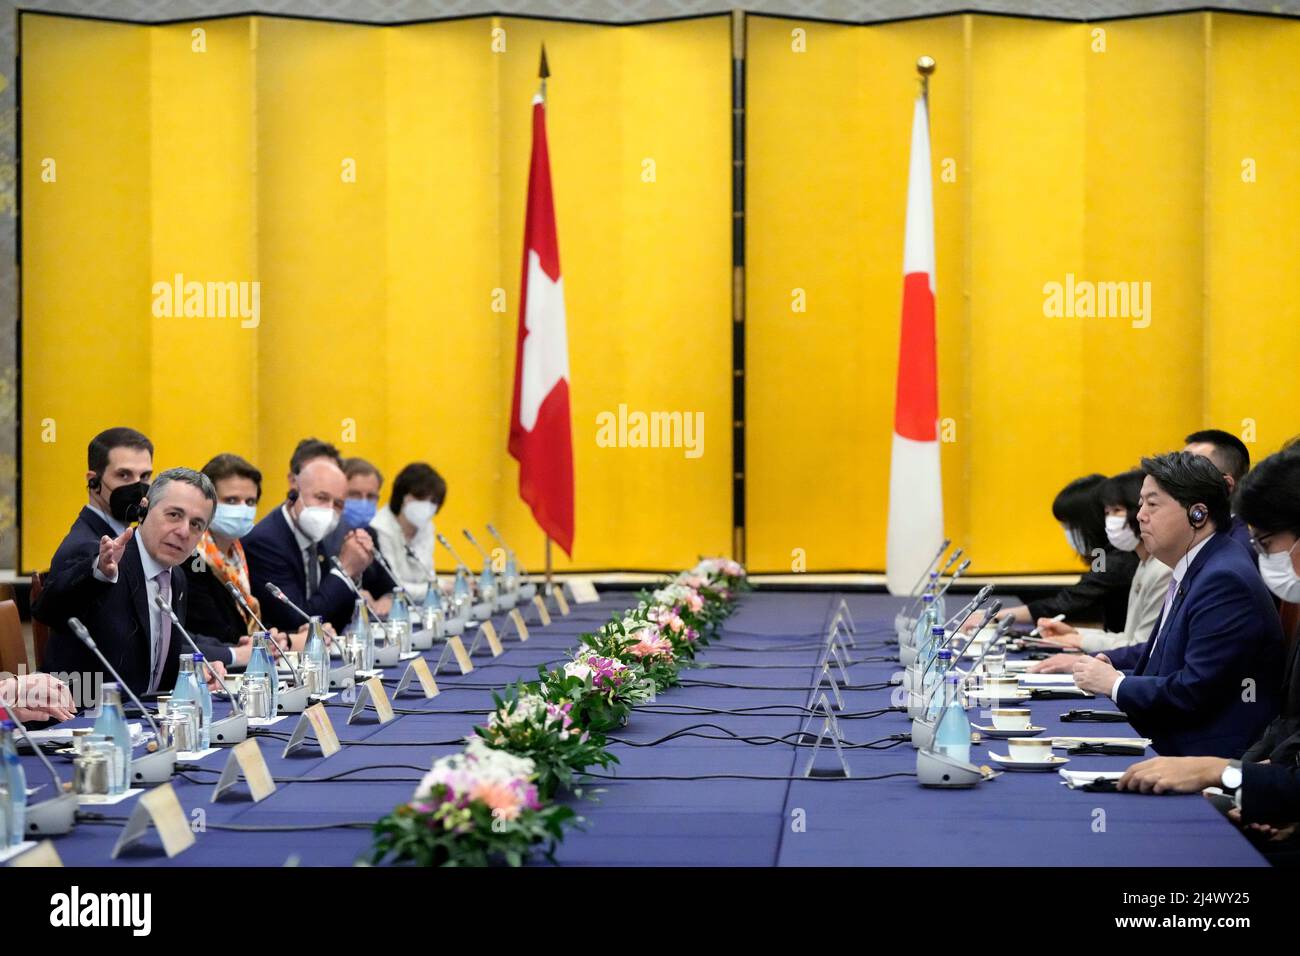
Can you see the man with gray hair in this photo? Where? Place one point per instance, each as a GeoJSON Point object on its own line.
{"type": "Point", "coordinates": [112, 589]}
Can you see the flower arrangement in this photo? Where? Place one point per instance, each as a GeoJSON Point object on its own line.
{"type": "Point", "coordinates": [492, 803]}
{"type": "Point", "coordinates": [472, 809]}
{"type": "Point", "coordinates": [528, 725]}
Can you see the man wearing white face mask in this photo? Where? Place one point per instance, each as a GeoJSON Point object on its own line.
{"type": "Point", "coordinates": [285, 549]}
{"type": "Point", "coordinates": [406, 526]}
{"type": "Point", "coordinates": [1120, 499]}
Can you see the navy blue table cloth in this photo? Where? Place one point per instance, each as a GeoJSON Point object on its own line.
{"type": "Point", "coordinates": [765, 658]}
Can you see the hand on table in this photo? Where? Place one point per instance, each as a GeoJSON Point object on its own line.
{"type": "Point", "coordinates": [1095, 674]}
{"type": "Point", "coordinates": [1056, 664]}
{"type": "Point", "coordinates": [38, 697]}
{"type": "Point", "coordinates": [1173, 775]}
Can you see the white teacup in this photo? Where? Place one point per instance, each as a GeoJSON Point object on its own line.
{"type": "Point", "coordinates": [1011, 718]}
{"type": "Point", "coordinates": [1030, 749]}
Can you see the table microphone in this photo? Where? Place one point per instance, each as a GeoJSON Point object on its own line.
{"type": "Point", "coordinates": [916, 588]}
{"type": "Point", "coordinates": [156, 766]}
{"type": "Point", "coordinates": [55, 816]}
{"type": "Point", "coordinates": [442, 540]}
{"type": "Point", "coordinates": [969, 609]}
{"type": "Point", "coordinates": [280, 596]}
{"type": "Point", "coordinates": [994, 608]}
{"type": "Point", "coordinates": [228, 730]}
{"type": "Point", "coordinates": [519, 566]}
{"type": "Point", "coordinates": [356, 590]}
{"type": "Point", "coordinates": [916, 602]}
{"type": "Point", "coordinates": [486, 557]}
{"type": "Point", "coordinates": [410, 553]}
{"type": "Point", "coordinates": [961, 569]}
{"type": "Point", "coordinates": [248, 608]}
{"type": "Point", "coordinates": [388, 569]}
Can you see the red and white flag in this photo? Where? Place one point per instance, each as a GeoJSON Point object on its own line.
{"type": "Point", "coordinates": [915, 489]}
{"type": "Point", "coordinates": [540, 430]}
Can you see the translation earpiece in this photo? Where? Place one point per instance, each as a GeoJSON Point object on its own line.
{"type": "Point", "coordinates": [1197, 515]}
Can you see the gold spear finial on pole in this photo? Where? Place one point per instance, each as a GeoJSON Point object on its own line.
{"type": "Point", "coordinates": [925, 66]}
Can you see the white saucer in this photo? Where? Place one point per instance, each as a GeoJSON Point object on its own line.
{"type": "Point", "coordinates": [1030, 731]}
{"type": "Point", "coordinates": [1006, 763]}
{"type": "Point", "coordinates": [992, 696]}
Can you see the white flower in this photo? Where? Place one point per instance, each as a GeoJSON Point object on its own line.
{"type": "Point", "coordinates": [577, 669]}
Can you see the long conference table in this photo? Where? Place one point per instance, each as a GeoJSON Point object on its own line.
{"type": "Point", "coordinates": [686, 800]}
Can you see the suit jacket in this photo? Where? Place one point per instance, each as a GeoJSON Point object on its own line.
{"type": "Point", "coordinates": [1280, 742]}
{"type": "Point", "coordinates": [273, 556]}
{"type": "Point", "coordinates": [1189, 694]}
{"type": "Point", "coordinates": [1270, 793]}
{"type": "Point", "coordinates": [116, 615]}
{"type": "Point", "coordinates": [374, 578]}
{"type": "Point", "coordinates": [1097, 595]}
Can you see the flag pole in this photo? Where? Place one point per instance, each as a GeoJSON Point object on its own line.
{"type": "Point", "coordinates": [543, 71]}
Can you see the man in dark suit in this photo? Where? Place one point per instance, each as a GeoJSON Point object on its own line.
{"type": "Point", "coordinates": [112, 588]}
{"type": "Point", "coordinates": [1231, 456]}
{"type": "Point", "coordinates": [286, 549]}
{"type": "Point", "coordinates": [1208, 679]}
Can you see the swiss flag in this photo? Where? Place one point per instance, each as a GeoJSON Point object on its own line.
{"type": "Point", "coordinates": [915, 489]}
{"type": "Point", "coordinates": [540, 426]}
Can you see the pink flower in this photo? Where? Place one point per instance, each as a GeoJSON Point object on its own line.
{"type": "Point", "coordinates": [501, 797]}
{"type": "Point", "coordinates": [651, 646]}
{"type": "Point", "coordinates": [695, 602]}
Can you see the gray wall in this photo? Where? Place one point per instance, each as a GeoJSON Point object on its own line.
{"type": "Point", "coordinates": [388, 11]}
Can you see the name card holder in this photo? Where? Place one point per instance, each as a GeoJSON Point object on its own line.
{"type": "Point", "coordinates": [543, 614]}
{"type": "Point", "coordinates": [372, 692]}
{"type": "Point", "coordinates": [161, 809]}
{"type": "Point", "coordinates": [454, 647]}
{"type": "Point", "coordinates": [517, 619]}
{"type": "Point", "coordinates": [315, 719]}
{"type": "Point", "coordinates": [245, 760]}
{"type": "Point", "coordinates": [418, 669]}
{"type": "Point", "coordinates": [487, 631]}
{"type": "Point", "coordinates": [830, 729]}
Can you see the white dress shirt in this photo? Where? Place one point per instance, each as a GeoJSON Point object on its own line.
{"type": "Point", "coordinates": [304, 543]}
{"type": "Point", "coordinates": [1179, 570]}
{"type": "Point", "coordinates": [391, 540]}
{"type": "Point", "coordinates": [151, 571]}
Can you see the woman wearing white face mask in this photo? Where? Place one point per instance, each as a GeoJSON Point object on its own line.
{"type": "Point", "coordinates": [1120, 500]}
{"type": "Point", "coordinates": [219, 559]}
{"type": "Point", "coordinates": [407, 523]}
{"type": "Point", "coordinates": [1102, 592]}
{"type": "Point", "coordinates": [1269, 501]}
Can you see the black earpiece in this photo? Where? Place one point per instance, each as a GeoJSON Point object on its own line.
{"type": "Point", "coordinates": [1197, 515]}
{"type": "Point", "coordinates": [94, 483]}
{"type": "Point", "coordinates": [293, 495]}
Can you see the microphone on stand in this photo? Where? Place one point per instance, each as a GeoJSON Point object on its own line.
{"type": "Point", "coordinates": [920, 581]}
{"type": "Point", "coordinates": [283, 598]}
{"type": "Point", "coordinates": [961, 569]}
{"type": "Point", "coordinates": [952, 559]}
{"type": "Point", "coordinates": [228, 730]}
{"type": "Point", "coordinates": [58, 814]}
{"type": "Point", "coordinates": [356, 590]}
{"type": "Point", "coordinates": [156, 766]}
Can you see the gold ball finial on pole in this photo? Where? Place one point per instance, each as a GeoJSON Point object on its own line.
{"type": "Point", "coordinates": [925, 66]}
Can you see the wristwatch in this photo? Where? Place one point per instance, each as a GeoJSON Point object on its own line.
{"type": "Point", "coordinates": [1231, 778]}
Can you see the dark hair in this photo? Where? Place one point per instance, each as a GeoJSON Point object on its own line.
{"type": "Point", "coordinates": [1124, 491]}
{"type": "Point", "coordinates": [1269, 497]}
{"type": "Point", "coordinates": [420, 481]}
{"type": "Point", "coordinates": [1234, 457]}
{"type": "Point", "coordinates": [1078, 505]}
{"type": "Point", "coordinates": [227, 465]}
{"type": "Point", "coordinates": [309, 449]}
{"type": "Point", "coordinates": [1191, 479]}
{"type": "Point", "coordinates": [186, 476]}
{"type": "Point", "coordinates": [107, 440]}
{"type": "Point", "coordinates": [359, 466]}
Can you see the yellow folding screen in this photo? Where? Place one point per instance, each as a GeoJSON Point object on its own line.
{"type": "Point", "coordinates": [371, 180]}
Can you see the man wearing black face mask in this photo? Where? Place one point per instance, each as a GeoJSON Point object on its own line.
{"type": "Point", "coordinates": [119, 464]}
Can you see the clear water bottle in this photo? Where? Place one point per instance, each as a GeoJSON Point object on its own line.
{"type": "Point", "coordinates": [112, 723]}
{"type": "Point", "coordinates": [922, 630]}
{"type": "Point", "coordinates": [487, 584]}
{"type": "Point", "coordinates": [940, 604]}
{"type": "Point", "coordinates": [432, 611]}
{"type": "Point", "coordinates": [399, 619]}
{"type": "Point", "coordinates": [511, 581]}
{"type": "Point", "coordinates": [933, 683]}
{"type": "Point", "coordinates": [260, 663]}
{"type": "Point", "coordinates": [460, 596]}
{"type": "Point", "coordinates": [4, 811]}
{"type": "Point", "coordinates": [317, 655]}
{"type": "Point", "coordinates": [360, 635]}
{"type": "Point", "coordinates": [16, 782]}
{"type": "Point", "coordinates": [192, 688]}
{"type": "Point", "coordinates": [952, 736]}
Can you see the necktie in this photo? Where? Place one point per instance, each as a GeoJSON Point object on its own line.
{"type": "Point", "coordinates": [164, 580]}
{"type": "Point", "coordinates": [1168, 608]}
{"type": "Point", "coordinates": [313, 570]}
